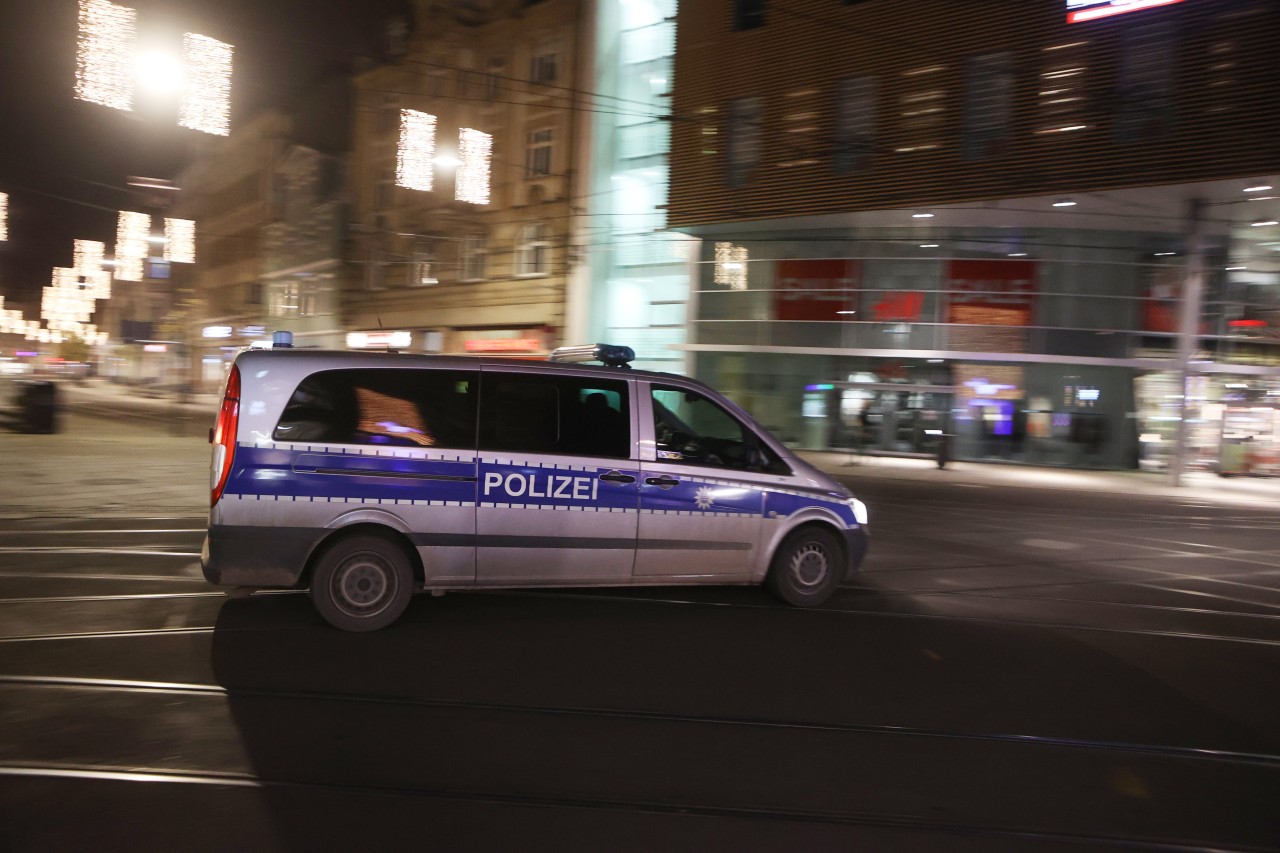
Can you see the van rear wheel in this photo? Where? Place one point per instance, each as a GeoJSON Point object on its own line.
{"type": "Point", "coordinates": [362, 583]}
{"type": "Point", "coordinates": [806, 568]}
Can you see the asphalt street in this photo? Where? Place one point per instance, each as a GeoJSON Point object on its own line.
{"type": "Point", "coordinates": [1030, 660]}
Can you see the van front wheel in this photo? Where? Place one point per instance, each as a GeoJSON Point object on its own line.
{"type": "Point", "coordinates": [806, 568]}
{"type": "Point", "coordinates": [362, 583]}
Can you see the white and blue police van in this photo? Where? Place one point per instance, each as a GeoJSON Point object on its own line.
{"type": "Point", "coordinates": [365, 477]}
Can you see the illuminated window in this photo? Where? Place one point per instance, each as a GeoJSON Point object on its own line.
{"type": "Point", "coordinates": [1063, 94]}
{"type": "Point", "coordinates": [855, 130]}
{"type": "Point", "coordinates": [533, 253]}
{"type": "Point", "coordinates": [988, 104]}
{"type": "Point", "coordinates": [922, 109]}
{"type": "Point", "coordinates": [538, 152]}
{"type": "Point", "coordinates": [742, 140]}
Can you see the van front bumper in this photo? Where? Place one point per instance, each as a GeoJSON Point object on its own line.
{"type": "Point", "coordinates": [856, 541]}
{"type": "Point", "coordinates": [256, 556]}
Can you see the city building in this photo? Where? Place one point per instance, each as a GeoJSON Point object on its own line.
{"type": "Point", "coordinates": [461, 181]}
{"type": "Point", "coordinates": [985, 220]}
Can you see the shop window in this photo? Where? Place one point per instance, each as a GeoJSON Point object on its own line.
{"type": "Point", "coordinates": [855, 126]}
{"type": "Point", "coordinates": [742, 141]}
{"type": "Point", "coordinates": [922, 109]}
{"type": "Point", "coordinates": [988, 104]}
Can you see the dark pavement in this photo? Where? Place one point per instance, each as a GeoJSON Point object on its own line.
{"type": "Point", "coordinates": [1031, 660]}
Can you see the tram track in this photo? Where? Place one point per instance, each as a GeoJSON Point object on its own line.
{"type": "Point", "coordinates": [1023, 739]}
{"type": "Point", "coordinates": [683, 809]}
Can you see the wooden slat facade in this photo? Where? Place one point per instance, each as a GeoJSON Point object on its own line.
{"type": "Point", "coordinates": [1223, 123]}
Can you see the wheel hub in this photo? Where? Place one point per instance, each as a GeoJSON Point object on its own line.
{"type": "Point", "coordinates": [809, 565]}
{"type": "Point", "coordinates": [363, 584]}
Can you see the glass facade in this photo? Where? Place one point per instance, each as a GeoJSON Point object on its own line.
{"type": "Point", "coordinates": [1040, 346]}
{"type": "Point", "coordinates": [640, 273]}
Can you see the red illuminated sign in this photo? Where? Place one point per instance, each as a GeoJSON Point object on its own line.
{"type": "Point", "coordinates": [899, 307]}
{"type": "Point", "coordinates": [817, 289]}
{"type": "Point", "coordinates": [1079, 11]}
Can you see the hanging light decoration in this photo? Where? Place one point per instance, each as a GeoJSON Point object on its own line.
{"type": "Point", "coordinates": [4, 216]}
{"type": "Point", "coordinates": [206, 91]}
{"type": "Point", "coordinates": [105, 63]}
{"type": "Point", "coordinates": [474, 148]}
{"type": "Point", "coordinates": [416, 152]}
{"type": "Point", "coordinates": [180, 241]}
{"type": "Point", "coordinates": [94, 280]}
{"type": "Point", "coordinates": [132, 230]}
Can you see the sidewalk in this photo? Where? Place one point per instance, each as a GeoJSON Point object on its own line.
{"type": "Point", "coordinates": [132, 463]}
{"type": "Point", "coordinates": [1197, 485]}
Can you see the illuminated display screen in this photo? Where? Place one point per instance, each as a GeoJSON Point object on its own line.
{"type": "Point", "coordinates": [1091, 10]}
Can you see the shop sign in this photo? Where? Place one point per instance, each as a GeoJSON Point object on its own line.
{"type": "Point", "coordinates": [824, 289]}
{"type": "Point", "coordinates": [216, 332]}
{"type": "Point", "coordinates": [991, 292]}
{"type": "Point", "coordinates": [155, 348]}
{"type": "Point", "coordinates": [502, 344]}
{"type": "Point", "coordinates": [379, 340]}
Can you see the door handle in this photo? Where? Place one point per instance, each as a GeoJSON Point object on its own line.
{"type": "Point", "coordinates": [617, 477]}
{"type": "Point", "coordinates": [663, 482]}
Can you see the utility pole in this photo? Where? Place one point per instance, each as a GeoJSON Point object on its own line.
{"type": "Point", "coordinates": [1188, 332]}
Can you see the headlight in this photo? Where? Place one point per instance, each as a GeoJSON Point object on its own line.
{"type": "Point", "coordinates": [859, 511]}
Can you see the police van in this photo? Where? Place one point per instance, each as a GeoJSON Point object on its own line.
{"type": "Point", "coordinates": [366, 477]}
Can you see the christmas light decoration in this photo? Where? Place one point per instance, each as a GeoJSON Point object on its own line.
{"type": "Point", "coordinates": [206, 91]}
{"type": "Point", "coordinates": [731, 266]}
{"type": "Point", "coordinates": [105, 64]}
{"type": "Point", "coordinates": [4, 218]}
{"type": "Point", "coordinates": [88, 257]}
{"type": "Point", "coordinates": [180, 241]}
{"type": "Point", "coordinates": [474, 148]}
{"type": "Point", "coordinates": [132, 230]}
{"type": "Point", "coordinates": [416, 152]}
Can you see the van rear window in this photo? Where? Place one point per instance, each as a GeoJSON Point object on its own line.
{"type": "Point", "coordinates": [405, 408]}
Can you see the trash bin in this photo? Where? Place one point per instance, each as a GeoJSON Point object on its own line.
{"type": "Point", "coordinates": [38, 406]}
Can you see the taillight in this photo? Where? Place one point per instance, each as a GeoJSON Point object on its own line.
{"type": "Point", "coordinates": [224, 436]}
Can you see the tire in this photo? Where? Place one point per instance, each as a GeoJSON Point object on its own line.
{"type": "Point", "coordinates": [362, 583]}
{"type": "Point", "coordinates": [807, 567]}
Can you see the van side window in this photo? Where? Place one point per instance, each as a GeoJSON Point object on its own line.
{"type": "Point", "coordinates": [402, 408]}
{"type": "Point", "coordinates": [692, 430]}
{"type": "Point", "coordinates": [532, 413]}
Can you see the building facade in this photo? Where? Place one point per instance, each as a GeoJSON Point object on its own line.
{"type": "Point", "coordinates": [449, 255]}
{"type": "Point", "coordinates": [1053, 240]}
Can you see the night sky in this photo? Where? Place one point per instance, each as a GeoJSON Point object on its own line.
{"type": "Point", "coordinates": [64, 162]}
